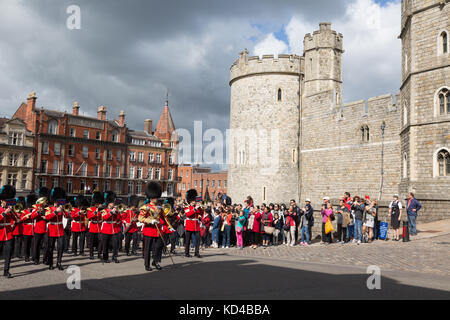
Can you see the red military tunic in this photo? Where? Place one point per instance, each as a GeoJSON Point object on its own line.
{"type": "Point", "coordinates": [40, 224]}
{"type": "Point", "coordinates": [27, 222]}
{"type": "Point", "coordinates": [111, 222]}
{"type": "Point", "coordinates": [192, 222]}
{"type": "Point", "coordinates": [166, 228]}
{"type": "Point", "coordinates": [18, 230]}
{"type": "Point", "coordinates": [95, 220]}
{"type": "Point", "coordinates": [127, 217]}
{"type": "Point", "coordinates": [78, 223]}
{"type": "Point", "coordinates": [151, 229]}
{"type": "Point", "coordinates": [6, 221]}
{"type": "Point", "coordinates": [55, 222]}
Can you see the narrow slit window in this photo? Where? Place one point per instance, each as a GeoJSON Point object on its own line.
{"type": "Point", "coordinates": [279, 94]}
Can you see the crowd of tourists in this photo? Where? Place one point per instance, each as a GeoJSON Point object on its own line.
{"type": "Point", "coordinates": [353, 220]}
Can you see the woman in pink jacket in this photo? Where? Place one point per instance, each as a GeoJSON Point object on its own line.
{"type": "Point", "coordinates": [326, 214]}
{"type": "Point", "coordinates": [256, 231]}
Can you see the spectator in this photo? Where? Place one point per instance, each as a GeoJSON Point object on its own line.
{"type": "Point", "coordinates": [256, 230]}
{"type": "Point", "coordinates": [226, 228]}
{"type": "Point", "coordinates": [307, 221]}
{"type": "Point", "coordinates": [351, 226]}
{"type": "Point", "coordinates": [289, 227]}
{"type": "Point", "coordinates": [343, 219]}
{"type": "Point", "coordinates": [369, 221]}
{"type": "Point", "coordinates": [395, 211]}
{"type": "Point", "coordinates": [204, 228]}
{"type": "Point", "coordinates": [267, 220]}
{"type": "Point", "coordinates": [326, 215]}
{"type": "Point", "coordinates": [240, 229]}
{"type": "Point", "coordinates": [296, 216]}
{"type": "Point", "coordinates": [358, 208]}
{"type": "Point", "coordinates": [278, 225]}
{"type": "Point", "coordinates": [216, 227]}
{"type": "Point", "coordinates": [412, 209]}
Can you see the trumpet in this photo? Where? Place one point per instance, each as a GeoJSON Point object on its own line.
{"type": "Point", "coordinates": [204, 204]}
{"type": "Point", "coordinates": [18, 208]}
{"type": "Point", "coordinates": [121, 207]}
{"type": "Point", "coordinates": [68, 207]}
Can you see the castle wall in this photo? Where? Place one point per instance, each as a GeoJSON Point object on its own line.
{"type": "Point", "coordinates": [335, 159]}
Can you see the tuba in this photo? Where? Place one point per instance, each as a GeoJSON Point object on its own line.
{"type": "Point", "coordinates": [167, 210]}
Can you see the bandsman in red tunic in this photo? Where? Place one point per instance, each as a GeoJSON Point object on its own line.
{"type": "Point", "coordinates": [152, 218]}
{"type": "Point", "coordinates": [111, 225]}
{"type": "Point", "coordinates": [18, 227]}
{"type": "Point", "coordinates": [54, 215]}
{"type": "Point", "coordinates": [130, 218]}
{"type": "Point", "coordinates": [27, 223]}
{"type": "Point", "coordinates": [40, 225]}
{"type": "Point", "coordinates": [95, 224]}
{"type": "Point", "coordinates": [172, 220]}
{"type": "Point", "coordinates": [6, 225]}
{"type": "Point", "coordinates": [78, 227]}
{"type": "Point", "coordinates": [193, 214]}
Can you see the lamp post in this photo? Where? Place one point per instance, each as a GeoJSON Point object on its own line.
{"type": "Point", "coordinates": [383, 127]}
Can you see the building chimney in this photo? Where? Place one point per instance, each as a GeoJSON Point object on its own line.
{"type": "Point", "coordinates": [148, 126]}
{"type": "Point", "coordinates": [31, 102]}
{"type": "Point", "coordinates": [121, 118]}
{"type": "Point", "coordinates": [101, 113]}
{"type": "Point", "coordinates": [76, 109]}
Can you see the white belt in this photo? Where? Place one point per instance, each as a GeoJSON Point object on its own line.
{"type": "Point", "coordinates": [96, 222]}
{"type": "Point", "coordinates": [55, 223]}
{"type": "Point", "coordinates": [5, 224]}
{"type": "Point", "coordinates": [28, 224]}
{"type": "Point", "coordinates": [110, 222]}
{"type": "Point", "coordinates": [192, 219]}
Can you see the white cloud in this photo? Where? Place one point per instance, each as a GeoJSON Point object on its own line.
{"type": "Point", "coordinates": [371, 63]}
{"type": "Point", "coordinates": [270, 45]}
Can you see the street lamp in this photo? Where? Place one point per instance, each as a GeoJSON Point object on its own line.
{"type": "Point", "coordinates": [383, 127]}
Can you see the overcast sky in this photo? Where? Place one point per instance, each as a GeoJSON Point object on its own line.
{"type": "Point", "coordinates": [127, 53]}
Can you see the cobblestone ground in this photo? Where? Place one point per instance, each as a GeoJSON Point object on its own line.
{"type": "Point", "coordinates": [426, 255]}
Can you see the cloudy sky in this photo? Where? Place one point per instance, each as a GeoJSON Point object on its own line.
{"type": "Point", "coordinates": [127, 53]}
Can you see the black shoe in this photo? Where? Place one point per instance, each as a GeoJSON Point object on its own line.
{"type": "Point", "coordinates": [36, 263]}
{"type": "Point", "coordinates": [172, 251]}
{"type": "Point", "coordinates": [7, 275]}
{"type": "Point", "coordinates": [148, 268]}
{"type": "Point", "coordinates": [156, 265]}
{"type": "Point", "coordinates": [27, 259]}
{"type": "Point", "coordinates": [50, 267]}
{"type": "Point", "coordinates": [128, 254]}
{"type": "Point", "coordinates": [198, 255]}
{"type": "Point", "coordinates": [75, 254]}
{"type": "Point", "coordinates": [116, 260]}
{"type": "Point", "coordinates": [188, 255]}
{"type": "Point", "coordinates": [134, 253]}
{"type": "Point", "coordinates": [46, 263]}
{"type": "Point", "coordinates": [91, 257]}
{"type": "Point", "coordinates": [83, 254]}
{"type": "Point", "coordinates": [106, 261]}
{"type": "Point", "coordinates": [59, 266]}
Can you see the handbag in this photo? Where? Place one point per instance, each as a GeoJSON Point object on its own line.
{"type": "Point", "coordinates": [287, 226]}
{"type": "Point", "coordinates": [238, 229]}
{"type": "Point", "coordinates": [269, 230]}
{"type": "Point", "coordinates": [328, 226]}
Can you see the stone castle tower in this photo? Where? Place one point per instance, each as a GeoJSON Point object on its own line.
{"type": "Point", "coordinates": [425, 102]}
{"type": "Point", "coordinates": [263, 140]}
{"type": "Point", "coordinates": [327, 147]}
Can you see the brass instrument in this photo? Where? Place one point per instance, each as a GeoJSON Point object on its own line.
{"type": "Point", "coordinates": [204, 204]}
{"type": "Point", "coordinates": [18, 208]}
{"type": "Point", "coordinates": [167, 210]}
{"type": "Point", "coordinates": [68, 207]}
{"type": "Point", "coordinates": [121, 207]}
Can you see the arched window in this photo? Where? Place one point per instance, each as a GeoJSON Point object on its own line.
{"type": "Point", "coordinates": [362, 134]}
{"type": "Point", "coordinates": [405, 167]}
{"type": "Point", "coordinates": [367, 134]}
{"type": "Point", "coordinates": [444, 101]}
{"type": "Point", "coordinates": [443, 159]}
{"type": "Point", "coordinates": [53, 127]}
{"type": "Point", "coordinates": [115, 136]}
{"type": "Point", "coordinates": [279, 94]}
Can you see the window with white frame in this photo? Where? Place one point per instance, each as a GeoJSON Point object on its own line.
{"type": "Point", "coordinates": [108, 171]}
{"type": "Point", "coordinates": [150, 173]}
{"type": "Point", "coordinates": [138, 188]}
{"type": "Point", "coordinates": [13, 159]}
{"type": "Point", "coordinates": [23, 184]}
{"type": "Point", "coordinates": [131, 172]}
{"type": "Point", "coordinates": [71, 150]}
{"type": "Point", "coordinates": [139, 173]}
{"type": "Point", "coordinates": [72, 132]}
{"type": "Point", "coordinates": [97, 153]}
{"type": "Point", "coordinates": [44, 166]}
{"type": "Point", "coordinates": [85, 152]}
{"type": "Point", "coordinates": [25, 158]}
{"type": "Point", "coordinates": [70, 168]}
{"type": "Point", "coordinates": [69, 186]}
{"type": "Point", "coordinates": [443, 159]}
{"type": "Point", "coordinates": [15, 138]}
{"type": "Point", "coordinates": [83, 169]}
{"type": "Point", "coordinates": [96, 170]}
{"type": "Point", "coordinates": [170, 174]}
{"type": "Point", "coordinates": [53, 127]}
{"type": "Point", "coordinates": [151, 157]}
{"type": "Point", "coordinates": [42, 182]}
{"type": "Point", "coordinates": [109, 154]}
{"type": "Point", "coordinates": [130, 187]}
{"type": "Point", "coordinates": [45, 147]}
{"type": "Point", "coordinates": [119, 155]}
{"type": "Point", "coordinates": [86, 134]}
{"type": "Point", "coordinates": [55, 167]}
{"type": "Point", "coordinates": [12, 179]}
{"type": "Point", "coordinates": [115, 136]}
{"type": "Point", "coordinates": [117, 172]}
{"type": "Point", "coordinates": [57, 149]}
{"type": "Point", "coordinates": [157, 173]}
{"type": "Point", "coordinates": [158, 158]}
{"type": "Point", "coordinates": [140, 157]}
{"type": "Point", "coordinates": [55, 183]}
{"type": "Point", "coordinates": [444, 101]}
{"type": "Point", "coordinates": [132, 156]}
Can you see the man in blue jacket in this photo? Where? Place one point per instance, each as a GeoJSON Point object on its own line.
{"type": "Point", "coordinates": [412, 209]}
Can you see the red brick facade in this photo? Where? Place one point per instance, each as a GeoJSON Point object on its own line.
{"type": "Point", "coordinates": [202, 180]}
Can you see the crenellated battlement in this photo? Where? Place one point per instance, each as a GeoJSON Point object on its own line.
{"type": "Point", "coordinates": [325, 37]}
{"type": "Point", "coordinates": [246, 66]}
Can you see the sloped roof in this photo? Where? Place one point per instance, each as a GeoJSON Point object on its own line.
{"type": "Point", "coordinates": [165, 124]}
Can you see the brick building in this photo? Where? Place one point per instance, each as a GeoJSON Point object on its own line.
{"type": "Point", "coordinates": [16, 155]}
{"type": "Point", "coordinates": [83, 154]}
{"type": "Point", "coordinates": [202, 180]}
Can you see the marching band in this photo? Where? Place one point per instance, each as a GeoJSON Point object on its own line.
{"type": "Point", "coordinates": [39, 223]}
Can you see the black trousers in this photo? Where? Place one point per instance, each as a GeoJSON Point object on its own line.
{"type": "Point", "coordinates": [120, 237]}
{"type": "Point", "coordinates": [153, 245]}
{"type": "Point", "coordinates": [51, 248]}
{"type": "Point", "coordinates": [39, 240]}
{"type": "Point", "coordinates": [172, 240]}
{"type": "Point", "coordinates": [27, 245]}
{"type": "Point", "coordinates": [107, 240]}
{"type": "Point", "coordinates": [17, 245]}
{"type": "Point", "coordinates": [187, 243]}
{"type": "Point", "coordinates": [131, 236]}
{"type": "Point", "coordinates": [6, 249]}
{"type": "Point", "coordinates": [95, 239]}
{"type": "Point", "coordinates": [325, 237]}
{"type": "Point", "coordinates": [341, 233]}
{"type": "Point", "coordinates": [82, 237]}
{"type": "Point", "coordinates": [67, 235]}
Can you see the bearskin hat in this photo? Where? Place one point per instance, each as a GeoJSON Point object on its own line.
{"type": "Point", "coordinates": [109, 197]}
{"type": "Point", "coordinates": [30, 200]}
{"type": "Point", "coordinates": [153, 190]}
{"type": "Point", "coordinates": [7, 192]}
{"type": "Point", "coordinates": [21, 200]}
{"type": "Point", "coordinates": [84, 204]}
{"type": "Point", "coordinates": [78, 200]}
{"type": "Point", "coordinates": [97, 198]}
{"type": "Point", "coordinates": [170, 201]}
{"type": "Point", "coordinates": [57, 194]}
{"type": "Point", "coordinates": [44, 192]}
{"type": "Point", "coordinates": [133, 201]}
{"type": "Point", "coordinates": [191, 195]}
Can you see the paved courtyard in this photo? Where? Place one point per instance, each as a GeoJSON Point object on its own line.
{"type": "Point", "coordinates": [418, 269]}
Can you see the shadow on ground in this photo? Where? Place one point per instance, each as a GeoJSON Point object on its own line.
{"type": "Point", "coordinates": [231, 279]}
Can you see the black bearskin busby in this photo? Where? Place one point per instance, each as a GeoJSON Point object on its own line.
{"type": "Point", "coordinates": [21, 200]}
{"type": "Point", "coordinates": [110, 197]}
{"type": "Point", "coordinates": [191, 195]}
{"type": "Point", "coordinates": [30, 200]}
{"type": "Point", "coordinates": [153, 190]}
{"type": "Point", "coordinates": [133, 201]}
{"type": "Point", "coordinates": [97, 198]}
{"type": "Point", "coordinates": [7, 192]}
{"type": "Point", "coordinates": [57, 194]}
{"type": "Point", "coordinates": [170, 201]}
{"type": "Point", "coordinates": [44, 192]}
